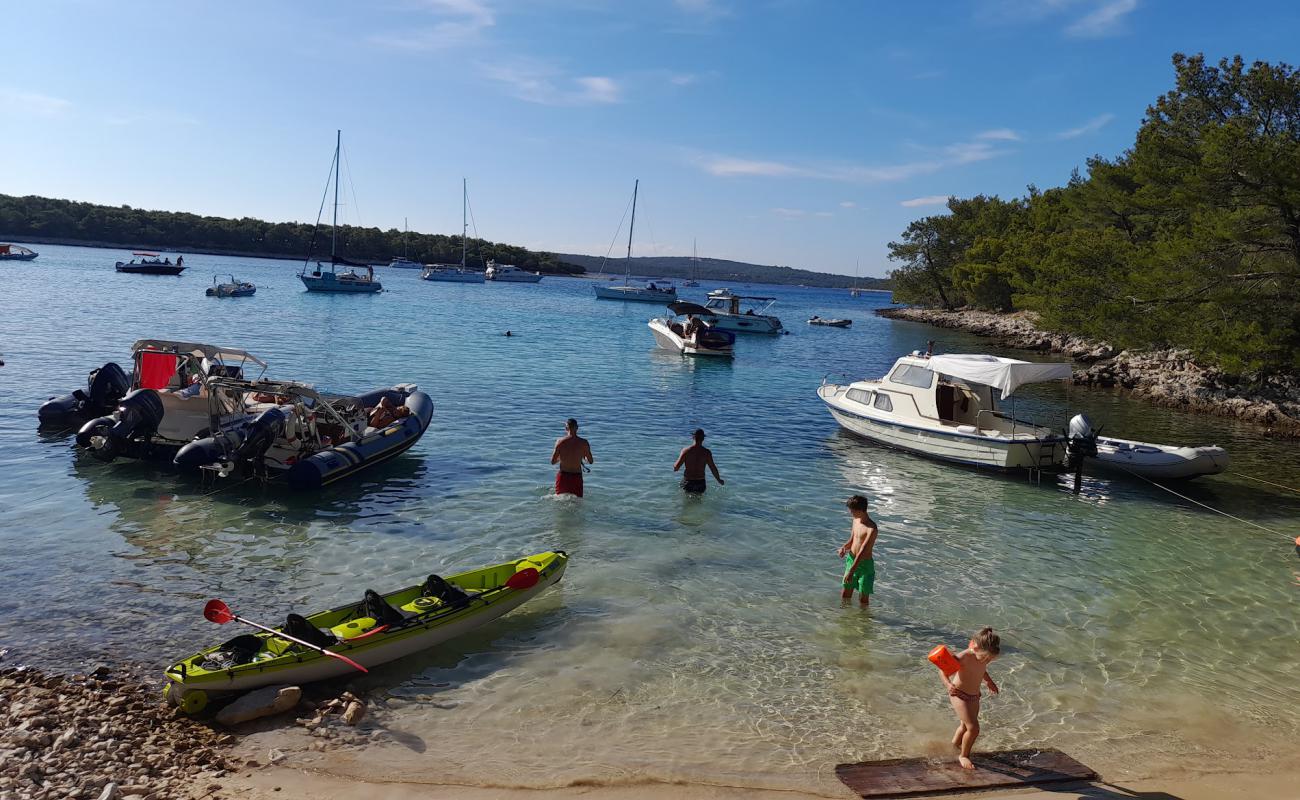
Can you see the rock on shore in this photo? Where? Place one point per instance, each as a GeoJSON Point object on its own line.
{"type": "Point", "coordinates": [1168, 378]}
{"type": "Point", "coordinates": [72, 737]}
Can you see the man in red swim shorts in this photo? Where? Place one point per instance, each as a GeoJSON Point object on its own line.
{"type": "Point", "coordinates": [570, 451]}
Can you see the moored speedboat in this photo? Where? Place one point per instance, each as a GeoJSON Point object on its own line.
{"type": "Point", "coordinates": [151, 264]}
{"type": "Point", "coordinates": [447, 273]}
{"type": "Point", "coordinates": [16, 252]}
{"type": "Point", "coordinates": [509, 273]}
{"type": "Point", "coordinates": [231, 288]}
{"type": "Point", "coordinates": [402, 262]}
{"type": "Point", "coordinates": [373, 631]}
{"type": "Point", "coordinates": [830, 323]}
{"type": "Point", "coordinates": [693, 336]}
{"type": "Point", "coordinates": [742, 313]}
{"type": "Point", "coordinates": [946, 407]}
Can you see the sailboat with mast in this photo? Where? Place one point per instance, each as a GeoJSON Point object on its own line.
{"type": "Point", "coordinates": [660, 292]}
{"type": "Point", "coordinates": [349, 281]}
{"type": "Point", "coordinates": [449, 273]}
{"type": "Point", "coordinates": [693, 279]}
{"type": "Point", "coordinates": [402, 262]}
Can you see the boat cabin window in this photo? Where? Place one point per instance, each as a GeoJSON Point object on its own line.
{"type": "Point", "coordinates": [912, 375]}
{"type": "Point", "coordinates": [860, 396]}
{"type": "Point", "coordinates": [883, 402]}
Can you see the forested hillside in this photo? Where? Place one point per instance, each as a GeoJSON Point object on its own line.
{"type": "Point", "coordinates": [66, 220]}
{"type": "Point", "coordinates": [717, 269]}
{"type": "Point", "coordinates": [1190, 238]}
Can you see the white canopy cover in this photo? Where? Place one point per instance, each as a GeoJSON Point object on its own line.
{"type": "Point", "coordinates": [1007, 374]}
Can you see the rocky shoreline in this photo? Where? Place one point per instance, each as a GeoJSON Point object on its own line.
{"type": "Point", "coordinates": [1166, 378]}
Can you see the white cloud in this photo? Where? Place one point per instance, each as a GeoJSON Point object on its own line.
{"type": "Point", "coordinates": [1091, 126]}
{"type": "Point", "coordinates": [682, 78]}
{"type": "Point", "coordinates": [1105, 20]}
{"type": "Point", "coordinates": [940, 158]}
{"type": "Point", "coordinates": [999, 135]}
{"type": "Point", "coordinates": [19, 103]}
{"type": "Point", "coordinates": [930, 200]}
{"type": "Point", "coordinates": [464, 22]}
{"type": "Point", "coordinates": [544, 84]}
{"type": "Point", "coordinates": [790, 213]}
{"type": "Point", "coordinates": [823, 214]}
{"type": "Point", "coordinates": [848, 204]}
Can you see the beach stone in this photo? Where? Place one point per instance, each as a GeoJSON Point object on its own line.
{"type": "Point", "coordinates": [354, 712]}
{"type": "Point", "coordinates": [263, 702]}
{"type": "Point", "coordinates": [109, 793]}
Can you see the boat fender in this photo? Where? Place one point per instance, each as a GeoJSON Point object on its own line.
{"type": "Point", "coordinates": [261, 434]}
{"type": "Point", "coordinates": [138, 414]}
{"type": "Point", "coordinates": [943, 658]}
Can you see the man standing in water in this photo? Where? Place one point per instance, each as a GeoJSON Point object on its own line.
{"type": "Point", "coordinates": [570, 451]}
{"type": "Point", "coordinates": [696, 458]}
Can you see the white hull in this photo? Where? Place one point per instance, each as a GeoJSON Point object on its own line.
{"type": "Point", "coordinates": [668, 339]}
{"type": "Point", "coordinates": [453, 276]}
{"type": "Point", "coordinates": [745, 323]}
{"type": "Point", "coordinates": [402, 263]}
{"type": "Point", "coordinates": [635, 293]}
{"type": "Point", "coordinates": [325, 668]}
{"type": "Point", "coordinates": [1159, 461]}
{"type": "Point", "coordinates": [514, 277]}
{"type": "Point", "coordinates": [961, 444]}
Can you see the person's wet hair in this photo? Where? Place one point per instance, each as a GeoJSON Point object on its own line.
{"type": "Point", "coordinates": [987, 641]}
{"type": "Point", "coordinates": [857, 503]}
{"type": "Point", "coordinates": [571, 424]}
{"type": "Point", "coordinates": [699, 435]}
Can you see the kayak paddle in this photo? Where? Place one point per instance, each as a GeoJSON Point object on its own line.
{"type": "Point", "coordinates": [524, 579]}
{"type": "Point", "coordinates": [220, 613]}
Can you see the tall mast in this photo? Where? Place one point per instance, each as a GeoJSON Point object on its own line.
{"type": "Point", "coordinates": [631, 225]}
{"type": "Point", "coordinates": [334, 229]}
{"type": "Point", "coordinates": [406, 228]}
{"type": "Point", "coordinates": [695, 261]}
{"type": "Point", "coordinates": [464, 222]}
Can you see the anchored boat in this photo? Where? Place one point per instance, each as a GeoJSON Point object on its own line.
{"type": "Point", "coordinates": [1149, 460]}
{"type": "Point", "coordinates": [946, 407]}
{"type": "Point", "coordinates": [446, 273]}
{"type": "Point", "coordinates": [370, 632]}
{"type": "Point", "coordinates": [509, 273]}
{"type": "Point", "coordinates": [693, 336]}
{"type": "Point", "coordinates": [830, 323]}
{"type": "Point", "coordinates": [349, 281]}
{"type": "Point", "coordinates": [231, 288]}
{"type": "Point", "coordinates": [16, 252]}
{"type": "Point", "coordinates": [652, 292]}
{"type": "Point", "coordinates": [742, 313]}
{"type": "Point", "coordinates": [151, 264]}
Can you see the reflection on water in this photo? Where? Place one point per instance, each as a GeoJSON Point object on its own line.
{"type": "Point", "coordinates": [692, 637]}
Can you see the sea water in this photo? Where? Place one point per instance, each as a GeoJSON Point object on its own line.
{"type": "Point", "coordinates": [695, 639]}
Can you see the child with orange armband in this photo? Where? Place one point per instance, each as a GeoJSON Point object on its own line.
{"type": "Point", "coordinates": [961, 675]}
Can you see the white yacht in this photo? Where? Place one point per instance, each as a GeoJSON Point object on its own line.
{"type": "Point", "coordinates": [946, 407]}
{"type": "Point", "coordinates": [661, 292]}
{"type": "Point", "coordinates": [509, 273]}
{"type": "Point", "coordinates": [402, 262]}
{"type": "Point", "coordinates": [742, 313]}
{"type": "Point", "coordinates": [448, 273]}
{"type": "Point", "coordinates": [692, 337]}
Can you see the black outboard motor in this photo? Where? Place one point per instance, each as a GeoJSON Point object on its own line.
{"type": "Point", "coordinates": [104, 388]}
{"type": "Point", "coordinates": [1080, 443]}
{"type": "Point", "coordinates": [261, 434]}
{"type": "Point", "coordinates": [248, 443]}
{"type": "Point", "coordinates": [138, 415]}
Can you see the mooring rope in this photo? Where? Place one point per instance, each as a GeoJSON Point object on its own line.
{"type": "Point", "coordinates": [1261, 480]}
{"type": "Point", "coordinates": [1208, 507]}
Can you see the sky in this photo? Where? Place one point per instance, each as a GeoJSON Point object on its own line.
{"type": "Point", "coordinates": [791, 132]}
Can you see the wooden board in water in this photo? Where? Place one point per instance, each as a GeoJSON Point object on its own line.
{"type": "Point", "coordinates": [909, 777]}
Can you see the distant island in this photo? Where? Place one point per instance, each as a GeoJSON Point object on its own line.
{"type": "Point", "coordinates": [54, 221]}
{"type": "Point", "coordinates": [719, 269]}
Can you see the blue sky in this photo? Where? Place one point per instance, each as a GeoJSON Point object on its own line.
{"type": "Point", "coordinates": [775, 131]}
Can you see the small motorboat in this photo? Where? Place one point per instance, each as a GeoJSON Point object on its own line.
{"type": "Point", "coordinates": [742, 313]}
{"type": "Point", "coordinates": [1148, 460]}
{"type": "Point", "coordinates": [16, 252]}
{"type": "Point", "coordinates": [373, 631]}
{"type": "Point", "coordinates": [231, 288]}
{"type": "Point", "coordinates": [830, 323]}
{"type": "Point", "coordinates": [151, 264]}
{"type": "Point", "coordinates": [509, 273]}
{"type": "Point", "coordinates": [694, 335]}
{"type": "Point", "coordinates": [450, 273]}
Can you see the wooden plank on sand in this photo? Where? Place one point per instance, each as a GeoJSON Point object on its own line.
{"type": "Point", "coordinates": [910, 777]}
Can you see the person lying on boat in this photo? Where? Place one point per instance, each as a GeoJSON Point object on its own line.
{"type": "Point", "coordinates": [386, 413]}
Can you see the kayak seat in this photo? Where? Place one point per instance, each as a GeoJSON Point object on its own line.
{"type": "Point", "coordinates": [438, 588]}
{"type": "Point", "coordinates": [377, 608]}
{"type": "Point", "coordinates": [298, 627]}
{"type": "Point", "coordinates": [239, 650]}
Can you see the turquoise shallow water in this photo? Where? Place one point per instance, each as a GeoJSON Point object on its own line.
{"type": "Point", "coordinates": [691, 639]}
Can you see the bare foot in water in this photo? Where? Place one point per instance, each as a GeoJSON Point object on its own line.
{"type": "Point", "coordinates": [965, 762]}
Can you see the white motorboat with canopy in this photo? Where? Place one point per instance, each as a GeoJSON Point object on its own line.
{"type": "Point", "coordinates": [742, 313]}
{"type": "Point", "coordinates": [652, 292]}
{"type": "Point", "coordinates": [692, 336]}
{"type": "Point", "coordinates": [509, 273]}
{"type": "Point", "coordinates": [947, 407]}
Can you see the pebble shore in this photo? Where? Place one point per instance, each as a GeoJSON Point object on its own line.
{"type": "Point", "coordinates": [1167, 378]}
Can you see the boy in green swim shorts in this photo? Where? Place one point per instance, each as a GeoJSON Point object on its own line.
{"type": "Point", "coordinates": [859, 565]}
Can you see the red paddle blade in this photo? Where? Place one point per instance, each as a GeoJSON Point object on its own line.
{"type": "Point", "coordinates": [524, 579]}
{"type": "Point", "coordinates": [218, 612]}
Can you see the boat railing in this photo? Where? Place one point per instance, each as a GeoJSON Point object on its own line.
{"type": "Point", "coordinates": [843, 376]}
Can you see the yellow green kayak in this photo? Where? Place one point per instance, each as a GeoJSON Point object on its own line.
{"type": "Point", "coordinates": [376, 630]}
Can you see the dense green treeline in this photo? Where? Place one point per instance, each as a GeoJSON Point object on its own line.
{"type": "Point", "coordinates": [47, 218]}
{"type": "Point", "coordinates": [719, 269]}
{"type": "Point", "coordinates": [1190, 238]}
